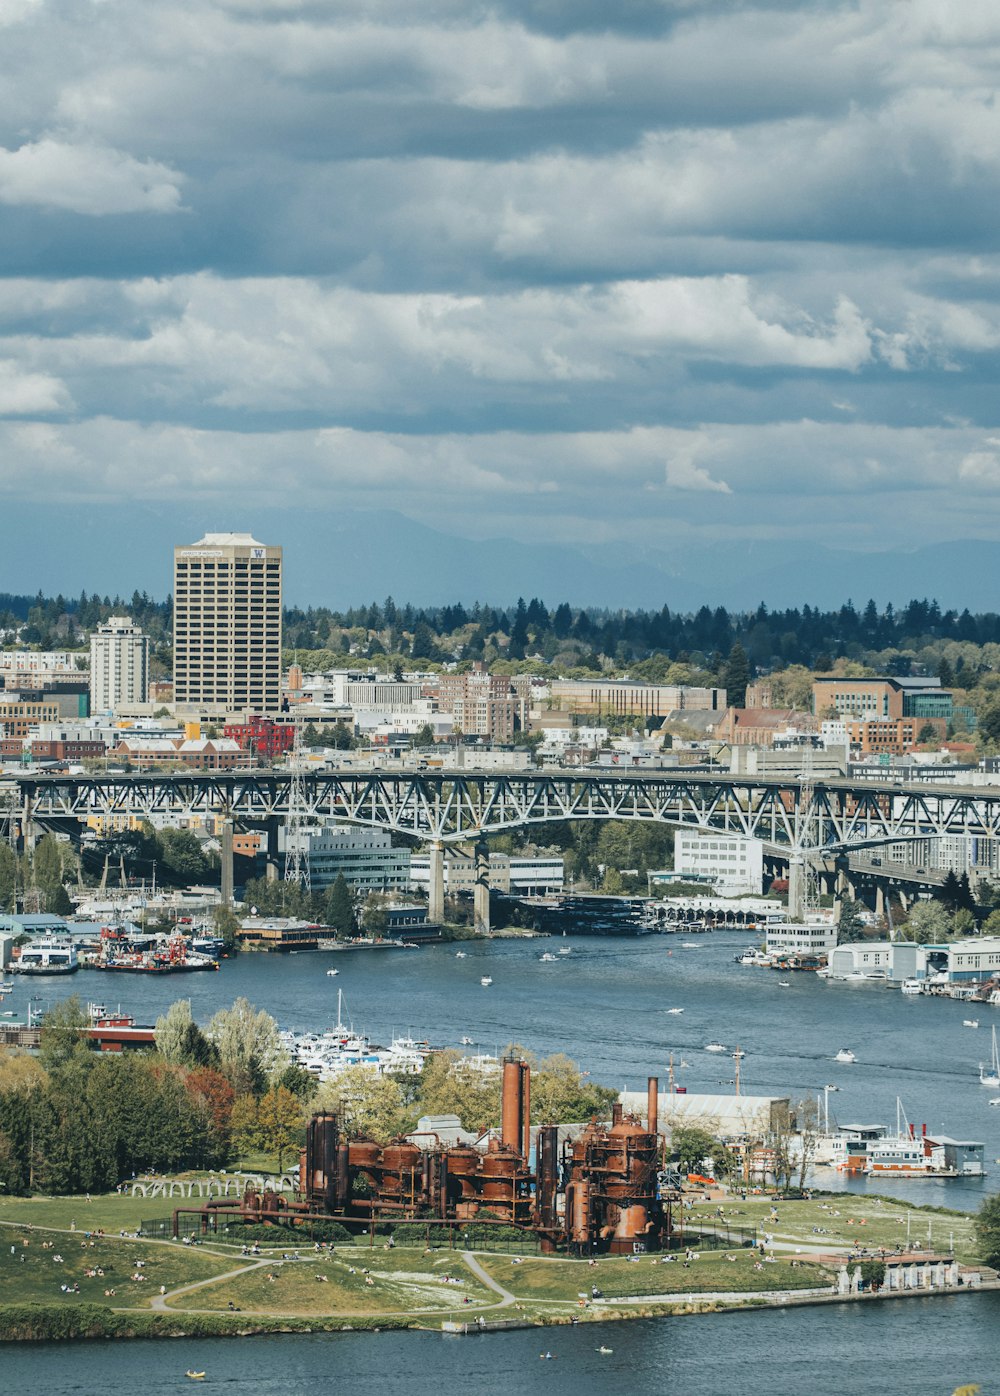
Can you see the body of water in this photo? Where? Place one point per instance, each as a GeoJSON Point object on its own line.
{"type": "Point", "coordinates": [605, 1005]}
{"type": "Point", "coordinates": [920, 1347]}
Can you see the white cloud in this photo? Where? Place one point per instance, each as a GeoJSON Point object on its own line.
{"type": "Point", "coordinates": [27, 394]}
{"type": "Point", "coordinates": [87, 179]}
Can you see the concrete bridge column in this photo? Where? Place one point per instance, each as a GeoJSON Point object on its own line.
{"type": "Point", "coordinates": [796, 887]}
{"type": "Point", "coordinates": [481, 889]}
{"type": "Point", "coordinates": [27, 824]}
{"type": "Point", "coordinates": [880, 900]}
{"type": "Point", "coordinates": [273, 856]}
{"type": "Point", "coordinates": [435, 889]}
{"type": "Point", "coordinates": [227, 862]}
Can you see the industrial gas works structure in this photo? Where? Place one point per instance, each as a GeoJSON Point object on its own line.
{"type": "Point", "coordinates": [603, 1194]}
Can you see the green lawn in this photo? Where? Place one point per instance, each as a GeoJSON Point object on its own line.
{"type": "Point", "coordinates": [31, 1272]}
{"type": "Point", "coordinates": [403, 1281]}
{"type": "Point", "coordinates": [108, 1210]}
{"type": "Point", "coordinates": [565, 1280]}
{"type": "Point", "coordinates": [840, 1220]}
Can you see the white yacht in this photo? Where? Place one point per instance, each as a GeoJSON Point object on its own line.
{"type": "Point", "coordinates": [486, 981]}
{"type": "Point", "coordinates": [715, 1046]}
{"type": "Point", "coordinates": [548, 959]}
{"type": "Point", "coordinates": [845, 1055]}
{"type": "Point", "coordinates": [674, 1011]}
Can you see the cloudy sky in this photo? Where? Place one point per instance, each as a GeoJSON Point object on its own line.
{"type": "Point", "coordinates": [544, 269]}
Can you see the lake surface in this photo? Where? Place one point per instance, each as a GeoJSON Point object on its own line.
{"type": "Point", "coordinates": [920, 1347]}
{"type": "Point", "coordinates": [605, 1005]}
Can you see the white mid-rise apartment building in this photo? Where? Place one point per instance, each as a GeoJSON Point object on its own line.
{"type": "Point", "coordinates": [734, 864]}
{"type": "Point", "coordinates": [227, 625]}
{"type": "Point", "coordinates": [119, 665]}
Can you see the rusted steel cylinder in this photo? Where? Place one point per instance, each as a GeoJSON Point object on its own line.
{"type": "Point", "coordinates": [653, 1105]}
{"type": "Point", "coordinates": [510, 1105]}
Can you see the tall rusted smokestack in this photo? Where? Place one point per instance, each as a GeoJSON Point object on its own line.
{"type": "Point", "coordinates": [526, 1110]}
{"type": "Point", "coordinates": [511, 1105]}
{"type": "Point", "coordinates": [616, 1113]}
{"type": "Point", "coordinates": [653, 1103]}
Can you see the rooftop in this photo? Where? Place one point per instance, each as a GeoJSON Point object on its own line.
{"type": "Point", "coordinates": [227, 540]}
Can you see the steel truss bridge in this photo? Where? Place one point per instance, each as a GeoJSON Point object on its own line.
{"type": "Point", "coordinates": [816, 819]}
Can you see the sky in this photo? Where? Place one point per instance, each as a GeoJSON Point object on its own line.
{"type": "Point", "coordinates": [557, 271]}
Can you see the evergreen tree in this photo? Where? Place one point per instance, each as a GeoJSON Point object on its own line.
{"type": "Point", "coordinates": [339, 907]}
{"type": "Point", "coordinates": [736, 676]}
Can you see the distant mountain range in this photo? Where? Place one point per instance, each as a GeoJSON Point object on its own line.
{"type": "Point", "coordinates": [357, 557]}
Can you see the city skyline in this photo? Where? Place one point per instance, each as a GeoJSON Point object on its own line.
{"type": "Point", "coordinates": [654, 278]}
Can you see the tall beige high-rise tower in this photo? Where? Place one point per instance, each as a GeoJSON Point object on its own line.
{"type": "Point", "coordinates": [119, 665]}
{"type": "Point", "coordinates": [227, 624]}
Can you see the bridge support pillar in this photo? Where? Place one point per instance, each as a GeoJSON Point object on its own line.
{"type": "Point", "coordinates": [796, 887]}
{"type": "Point", "coordinates": [273, 855]}
{"type": "Point", "coordinates": [904, 900]}
{"type": "Point", "coordinates": [27, 823]}
{"type": "Point", "coordinates": [435, 888]}
{"type": "Point", "coordinates": [880, 900]}
{"type": "Point", "coordinates": [227, 862]}
{"type": "Point", "coordinates": [481, 889]}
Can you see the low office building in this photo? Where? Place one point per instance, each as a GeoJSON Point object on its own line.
{"type": "Point", "coordinates": [366, 857]}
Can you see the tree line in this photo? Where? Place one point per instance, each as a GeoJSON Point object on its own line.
{"type": "Point", "coordinates": [73, 1120]}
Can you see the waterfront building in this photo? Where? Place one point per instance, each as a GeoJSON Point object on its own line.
{"type": "Point", "coordinates": [958, 961]}
{"type": "Point", "coordinates": [733, 864]}
{"type": "Point", "coordinates": [541, 876]}
{"type": "Point", "coordinates": [366, 857]}
{"type": "Point", "coordinates": [119, 665]}
{"type": "Point", "coordinates": [227, 625]}
{"type": "Point", "coordinates": [895, 959]}
{"type": "Point", "coordinates": [797, 938]}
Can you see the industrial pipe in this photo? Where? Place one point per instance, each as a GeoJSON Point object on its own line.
{"type": "Point", "coordinates": [652, 1108]}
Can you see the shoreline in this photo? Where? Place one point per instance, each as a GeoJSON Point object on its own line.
{"type": "Point", "coordinates": [38, 1323]}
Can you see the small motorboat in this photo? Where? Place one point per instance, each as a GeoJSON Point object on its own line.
{"type": "Point", "coordinates": [715, 1047]}
{"type": "Point", "coordinates": [548, 959]}
{"type": "Point", "coordinates": [690, 945]}
{"type": "Point", "coordinates": [995, 1100]}
{"type": "Point", "coordinates": [459, 954]}
{"type": "Point", "coordinates": [784, 983]}
{"type": "Point", "coordinates": [195, 1376]}
{"type": "Point", "coordinates": [331, 972]}
{"type": "Point", "coordinates": [845, 1055]}
{"type": "Point", "coordinates": [565, 950]}
{"type": "Point", "coordinates": [739, 1054]}
{"type": "Point", "coordinates": [466, 1042]}
{"type": "Point", "coordinates": [970, 1022]}
{"type": "Point", "coordinates": [486, 980]}
{"type": "Point", "coordinates": [674, 1011]}
{"type": "Point", "coordinates": [603, 1349]}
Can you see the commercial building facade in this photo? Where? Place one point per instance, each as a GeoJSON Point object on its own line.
{"type": "Point", "coordinates": [227, 625]}
{"type": "Point", "coordinates": [366, 857]}
{"type": "Point", "coordinates": [731, 863]}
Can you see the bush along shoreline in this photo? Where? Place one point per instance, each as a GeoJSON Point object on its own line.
{"type": "Point", "coordinates": [42, 1323]}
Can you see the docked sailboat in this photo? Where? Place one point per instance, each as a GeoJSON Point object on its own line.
{"type": "Point", "coordinates": [991, 1077]}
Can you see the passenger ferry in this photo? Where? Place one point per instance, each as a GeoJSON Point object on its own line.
{"type": "Point", "coordinates": [47, 956]}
